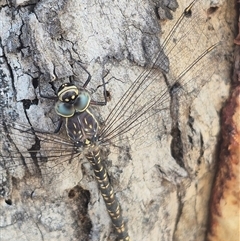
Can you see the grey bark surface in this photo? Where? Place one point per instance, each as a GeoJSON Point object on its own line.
{"type": "Point", "coordinates": [161, 172]}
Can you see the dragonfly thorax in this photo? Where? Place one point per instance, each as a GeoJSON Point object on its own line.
{"type": "Point", "coordinates": [82, 128]}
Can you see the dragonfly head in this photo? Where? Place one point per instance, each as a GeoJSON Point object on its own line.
{"type": "Point", "coordinates": [71, 100]}
{"type": "Point", "coordinates": [67, 92]}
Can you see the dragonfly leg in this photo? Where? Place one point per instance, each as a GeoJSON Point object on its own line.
{"type": "Point", "coordinates": [58, 126]}
{"type": "Point", "coordinates": [32, 130]}
{"type": "Point", "coordinates": [89, 75]}
{"type": "Point", "coordinates": [102, 103]}
{"type": "Point", "coordinates": [93, 102]}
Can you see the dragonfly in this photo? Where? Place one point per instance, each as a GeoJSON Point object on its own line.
{"type": "Point", "coordinates": [85, 134]}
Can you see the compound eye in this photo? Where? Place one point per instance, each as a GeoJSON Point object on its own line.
{"type": "Point", "coordinates": [82, 101]}
{"type": "Point", "coordinates": [64, 109]}
{"type": "Point", "coordinates": [67, 92]}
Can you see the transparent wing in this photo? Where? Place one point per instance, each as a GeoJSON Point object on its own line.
{"type": "Point", "coordinates": [24, 150]}
{"type": "Point", "coordinates": [152, 93]}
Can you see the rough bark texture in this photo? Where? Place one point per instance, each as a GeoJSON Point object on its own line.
{"type": "Point", "coordinates": [162, 174]}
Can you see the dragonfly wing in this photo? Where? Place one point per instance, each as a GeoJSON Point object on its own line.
{"type": "Point", "coordinates": [25, 151]}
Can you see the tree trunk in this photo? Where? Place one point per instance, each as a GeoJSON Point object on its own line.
{"type": "Point", "coordinates": [161, 171]}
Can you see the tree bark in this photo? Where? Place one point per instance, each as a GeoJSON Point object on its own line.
{"type": "Point", "coordinates": [161, 172]}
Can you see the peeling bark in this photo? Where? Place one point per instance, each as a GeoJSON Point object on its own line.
{"type": "Point", "coordinates": [224, 214]}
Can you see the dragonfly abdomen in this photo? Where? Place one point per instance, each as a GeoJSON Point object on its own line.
{"type": "Point", "coordinates": [107, 192]}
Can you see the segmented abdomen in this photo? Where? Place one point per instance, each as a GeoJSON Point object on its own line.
{"type": "Point", "coordinates": [112, 204]}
